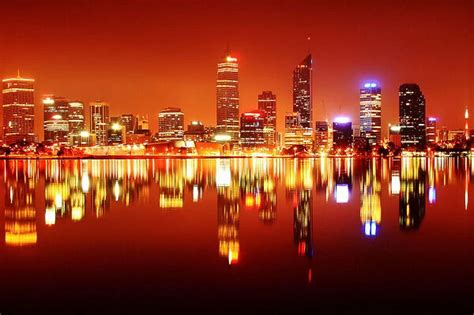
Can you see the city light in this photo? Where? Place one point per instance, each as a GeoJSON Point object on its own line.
{"type": "Point", "coordinates": [342, 120]}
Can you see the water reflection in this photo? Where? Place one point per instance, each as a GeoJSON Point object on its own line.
{"type": "Point", "coordinates": [76, 189]}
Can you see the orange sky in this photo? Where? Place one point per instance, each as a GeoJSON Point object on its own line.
{"type": "Point", "coordinates": [142, 56]}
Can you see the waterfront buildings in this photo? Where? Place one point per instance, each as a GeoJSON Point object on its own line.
{"type": "Point", "coordinates": [129, 121]}
{"type": "Point", "coordinates": [99, 120]}
{"type": "Point", "coordinates": [267, 104]}
{"type": "Point", "coordinates": [252, 128]}
{"type": "Point", "coordinates": [227, 97]}
{"type": "Point", "coordinates": [412, 116]}
{"type": "Point", "coordinates": [295, 134]}
{"type": "Point", "coordinates": [321, 134]}
{"type": "Point", "coordinates": [76, 117]}
{"type": "Point", "coordinates": [342, 133]}
{"type": "Point", "coordinates": [394, 135]}
{"type": "Point", "coordinates": [431, 131]}
{"type": "Point", "coordinates": [371, 112]}
{"type": "Point", "coordinates": [195, 132]}
{"type": "Point", "coordinates": [170, 124]}
{"type": "Point", "coordinates": [56, 119]}
{"type": "Point", "coordinates": [302, 94]}
{"type": "Point", "coordinates": [18, 109]}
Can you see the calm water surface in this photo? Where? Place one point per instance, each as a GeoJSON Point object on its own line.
{"type": "Point", "coordinates": [237, 235]}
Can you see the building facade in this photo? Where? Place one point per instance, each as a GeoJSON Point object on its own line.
{"type": "Point", "coordinates": [412, 116]}
{"type": "Point", "coordinates": [18, 109]}
{"type": "Point", "coordinates": [100, 121]}
{"type": "Point", "coordinates": [227, 97]}
{"type": "Point", "coordinates": [267, 104]}
{"type": "Point", "coordinates": [342, 133]}
{"type": "Point", "coordinates": [129, 121]}
{"type": "Point", "coordinates": [252, 129]}
{"type": "Point", "coordinates": [76, 117]}
{"type": "Point", "coordinates": [302, 93]}
{"type": "Point", "coordinates": [171, 124]}
{"type": "Point", "coordinates": [56, 119]}
{"type": "Point", "coordinates": [431, 131]}
{"type": "Point", "coordinates": [371, 112]}
{"type": "Point", "coordinates": [321, 134]}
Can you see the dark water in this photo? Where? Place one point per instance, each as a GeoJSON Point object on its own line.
{"type": "Point", "coordinates": [237, 235]}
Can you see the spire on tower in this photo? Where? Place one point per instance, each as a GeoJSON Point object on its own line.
{"type": "Point", "coordinates": [18, 73]}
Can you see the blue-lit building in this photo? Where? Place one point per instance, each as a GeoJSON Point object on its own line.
{"type": "Point", "coordinates": [371, 112]}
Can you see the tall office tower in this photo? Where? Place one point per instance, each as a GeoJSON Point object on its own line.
{"type": "Point", "coordinates": [76, 117]}
{"type": "Point", "coordinates": [18, 109]}
{"type": "Point", "coordinates": [302, 94]}
{"type": "Point", "coordinates": [267, 104]}
{"type": "Point", "coordinates": [371, 112]}
{"type": "Point", "coordinates": [99, 120]}
{"type": "Point", "coordinates": [342, 133]}
{"type": "Point", "coordinates": [412, 116]}
{"type": "Point", "coordinates": [228, 97]}
{"type": "Point", "coordinates": [321, 134]}
{"type": "Point", "coordinates": [171, 124]}
{"type": "Point", "coordinates": [56, 119]}
{"type": "Point", "coordinates": [252, 128]}
{"type": "Point", "coordinates": [129, 121]}
{"type": "Point", "coordinates": [431, 131]}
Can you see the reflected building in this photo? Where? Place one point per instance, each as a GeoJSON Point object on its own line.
{"type": "Point", "coordinates": [20, 211]}
{"type": "Point", "coordinates": [412, 193]}
{"type": "Point", "coordinates": [370, 204]}
{"type": "Point", "coordinates": [228, 217]}
{"type": "Point", "coordinates": [303, 223]}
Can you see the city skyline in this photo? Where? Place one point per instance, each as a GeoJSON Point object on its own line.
{"type": "Point", "coordinates": [443, 67]}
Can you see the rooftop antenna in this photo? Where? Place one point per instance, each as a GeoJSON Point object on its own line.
{"type": "Point", "coordinates": [18, 73]}
{"type": "Point", "coordinates": [309, 44]}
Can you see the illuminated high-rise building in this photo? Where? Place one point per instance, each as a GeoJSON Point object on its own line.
{"type": "Point", "coordinates": [431, 131]}
{"type": "Point", "coordinates": [466, 125]}
{"type": "Point", "coordinates": [18, 109]}
{"type": "Point", "coordinates": [56, 119]}
{"type": "Point", "coordinates": [342, 133]}
{"type": "Point", "coordinates": [171, 124]}
{"type": "Point", "coordinates": [267, 104]}
{"type": "Point", "coordinates": [412, 116]}
{"type": "Point", "coordinates": [76, 117]}
{"type": "Point", "coordinates": [99, 120]}
{"type": "Point", "coordinates": [252, 128]}
{"type": "Point", "coordinates": [302, 94]}
{"type": "Point", "coordinates": [371, 112]}
{"type": "Point", "coordinates": [227, 97]}
{"type": "Point", "coordinates": [129, 121]}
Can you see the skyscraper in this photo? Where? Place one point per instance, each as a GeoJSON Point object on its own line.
{"type": "Point", "coordinates": [412, 116]}
{"type": "Point", "coordinates": [56, 119]}
{"type": "Point", "coordinates": [267, 104]}
{"type": "Point", "coordinates": [251, 128]}
{"type": "Point", "coordinates": [18, 109]}
{"type": "Point", "coordinates": [371, 112]}
{"type": "Point", "coordinates": [302, 95]}
{"type": "Point", "coordinates": [99, 120]}
{"type": "Point", "coordinates": [171, 124]}
{"type": "Point", "coordinates": [227, 97]}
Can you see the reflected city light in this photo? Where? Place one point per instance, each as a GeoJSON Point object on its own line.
{"type": "Point", "coordinates": [342, 193]}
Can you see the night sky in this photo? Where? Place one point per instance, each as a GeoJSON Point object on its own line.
{"type": "Point", "coordinates": [142, 56]}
